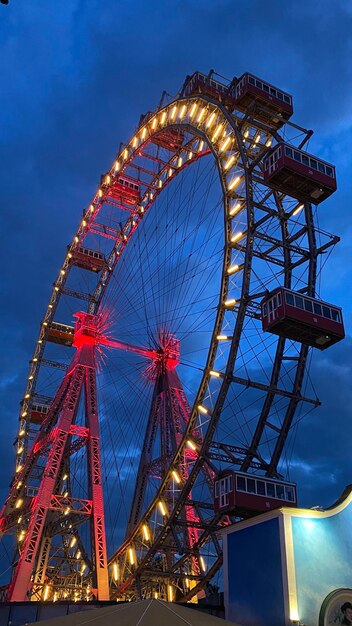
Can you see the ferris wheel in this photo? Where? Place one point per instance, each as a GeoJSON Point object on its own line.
{"type": "Point", "coordinates": [171, 368]}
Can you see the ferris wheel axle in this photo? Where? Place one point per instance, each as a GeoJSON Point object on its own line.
{"type": "Point", "coordinates": [91, 330]}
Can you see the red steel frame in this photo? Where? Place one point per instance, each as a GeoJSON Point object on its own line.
{"type": "Point", "coordinates": [54, 435]}
{"type": "Point", "coordinates": [81, 376]}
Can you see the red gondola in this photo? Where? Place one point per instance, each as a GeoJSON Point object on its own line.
{"type": "Point", "coordinates": [301, 318]}
{"type": "Point", "coordinates": [272, 106]}
{"type": "Point", "coordinates": [241, 492]}
{"type": "Point", "coordinates": [124, 190]}
{"type": "Point", "coordinates": [299, 174]}
{"type": "Point", "coordinates": [88, 259]}
{"type": "Point", "coordinates": [200, 83]}
{"type": "Point", "coordinates": [37, 413]}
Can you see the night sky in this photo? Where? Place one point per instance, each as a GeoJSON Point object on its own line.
{"type": "Point", "coordinates": [75, 77]}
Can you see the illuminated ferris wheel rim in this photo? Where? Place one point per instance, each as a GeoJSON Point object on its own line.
{"type": "Point", "coordinates": [208, 120]}
{"type": "Point", "coordinates": [120, 164]}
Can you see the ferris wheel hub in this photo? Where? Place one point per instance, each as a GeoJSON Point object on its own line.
{"type": "Point", "coordinates": [166, 356]}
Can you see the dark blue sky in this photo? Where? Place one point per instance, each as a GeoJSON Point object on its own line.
{"type": "Point", "coordinates": [77, 75]}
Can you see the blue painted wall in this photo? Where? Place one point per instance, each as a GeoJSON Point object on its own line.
{"type": "Point", "coordinates": [255, 590]}
{"type": "Point", "coordinates": [323, 559]}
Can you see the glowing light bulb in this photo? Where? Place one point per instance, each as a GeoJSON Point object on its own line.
{"type": "Point", "coordinates": [146, 532]}
{"type": "Point", "coordinates": [193, 109]}
{"type": "Point", "coordinates": [230, 161]}
{"type": "Point", "coordinates": [131, 556]}
{"type": "Point", "coordinates": [236, 236]}
{"type": "Point", "coordinates": [210, 120]}
{"type": "Point", "coordinates": [298, 209]}
{"type": "Point", "coordinates": [162, 508]}
{"type": "Point", "coordinates": [173, 112]}
{"type": "Point", "coordinates": [234, 183]}
{"type": "Point", "coordinates": [115, 571]}
{"type": "Point", "coordinates": [235, 209]}
{"type": "Point", "coordinates": [225, 144]}
{"type": "Point", "coordinates": [182, 112]}
{"type": "Point", "coordinates": [201, 115]}
{"type": "Point", "coordinates": [170, 593]}
{"type": "Point", "coordinates": [217, 132]}
{"type": "Point", "coordinates": [176, 477]}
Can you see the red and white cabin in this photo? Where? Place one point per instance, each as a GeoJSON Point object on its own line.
{"type": "Point", "coordinates": [88, 259]}
{"type": "Point", "coordinates": [272, 105]}
{"type": "Point", "coordinates": [38, 413]}
{"type": "Point", "coordinates": [124, 190]}
{"type": "Point", "coordinates": [241, 492]}
{"type": "Point", "coordinates": [301, 318]}
{"type": "Point", "coordinates": [200, 83]}
{"type": "Point", "coordinates": [299, 174]}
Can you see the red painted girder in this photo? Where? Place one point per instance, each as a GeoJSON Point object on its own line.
{"type": "Point", "coordinates": [77, 431]}
{"type": "Point", "coordinates": [98, 536]}
{"type": "Point", "coordinates": [41, 503]}
{"type": "Point", "coordinates": [120, 345]}
{"type": "Point", "coordinates": [59, 502]}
